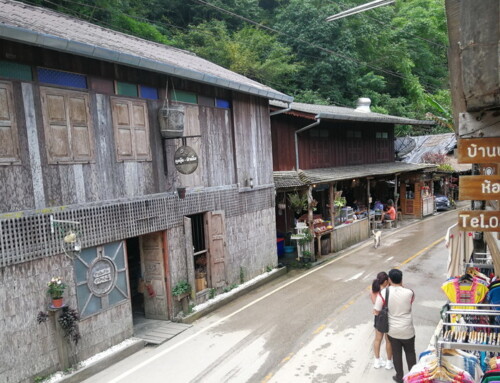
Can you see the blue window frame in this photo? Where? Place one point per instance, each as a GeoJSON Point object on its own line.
{"type": "Point", "coordinates": [57, 77]}
{"type": "Point", "coordinates": [220, 103]}
{"type": "Point", "coordinates": [148, 92]}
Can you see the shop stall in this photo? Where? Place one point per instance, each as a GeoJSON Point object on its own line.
{"type": "Point", "coordinates": [417, 196]}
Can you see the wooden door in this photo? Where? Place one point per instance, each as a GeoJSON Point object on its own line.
{"type": "Point", "coordinates": [217, 248]}
{"type": "Point", "coordinates": [153, 271]}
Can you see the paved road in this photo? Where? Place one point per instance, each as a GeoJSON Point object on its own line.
{"type": "Point", "coordinates": [313, 326]}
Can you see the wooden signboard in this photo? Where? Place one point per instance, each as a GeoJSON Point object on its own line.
{"type": "Point", "coordinates": [479, 150]}
{"type": "Point", "coordinates": [488, 169]}
{"type": "Point", "coordinates": [479, 188]}
{"type": "Point", "coordinates": [479, 220]}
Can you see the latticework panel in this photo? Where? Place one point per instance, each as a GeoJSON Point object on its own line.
{"type": "Point", "coordinates": [27, 236]}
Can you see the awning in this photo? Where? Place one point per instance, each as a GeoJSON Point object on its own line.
{"type": "Point", "coordinates": [302, 178]}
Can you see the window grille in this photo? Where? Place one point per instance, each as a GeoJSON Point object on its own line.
{"type": "Point", "coordinates": [57, 77]}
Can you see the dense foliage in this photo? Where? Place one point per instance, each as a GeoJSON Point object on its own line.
{"type": "Point", "coordinates": [395, 54]}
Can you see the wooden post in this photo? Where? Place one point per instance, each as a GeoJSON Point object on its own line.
{"type": "Point", "coordinates": [61, 342]}
{"type": "Point", "coordinates": [331, 200]}
{"type": "Point", "coordinates": [310, 220]}
{"type": "Point", "coordinates": [368, 205]}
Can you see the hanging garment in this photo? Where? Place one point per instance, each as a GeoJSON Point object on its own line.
{"type": "Point", "coordinates": [460, 290]}
{"type": "Point", "coordinates": [460, 246]}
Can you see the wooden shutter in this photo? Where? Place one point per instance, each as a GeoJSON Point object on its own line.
{"type": "Point", "coordinates": [217, 247]}
{"type": "Point", "coordinates": [141, 131]}
{"type": "Point", "coordinates": [81, 136]}
{"type": "Point", "coordinates": [131, 126]}
{"type": "Point", "coordinates": [9, 148]}
{"type": "Point", "coordinates": [68, 130]}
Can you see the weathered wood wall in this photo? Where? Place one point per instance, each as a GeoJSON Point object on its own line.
{"type": "Point", "coordinates": [327, 144]}
{"type": "Point", "coordinates": [22, 296]}
{"type": "Point", "coordinates": [234, 146]}
{"type": "Point", "coordinates": [348, 235]}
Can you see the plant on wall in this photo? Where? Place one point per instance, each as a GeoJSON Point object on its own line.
{"type": "Point", "coordinates": [68, 320]}
{"type": "Point", "coordinates": [298, 202]}
{"type": "Point", "coordinates": [181, 288]}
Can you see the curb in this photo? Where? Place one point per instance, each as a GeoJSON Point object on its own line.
{"type": "Point", "coordinates": [93, 368]}
{"type": "Point", "coordinates": [198, 314]}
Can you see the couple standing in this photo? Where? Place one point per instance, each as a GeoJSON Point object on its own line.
{"type": "Point", "coordinates": [401, 335]}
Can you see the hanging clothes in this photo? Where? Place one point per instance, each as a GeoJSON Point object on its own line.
{"type": "Point", "coordinates": [460, 246]}
{"type": "Point", "coordinates": [465, 290]}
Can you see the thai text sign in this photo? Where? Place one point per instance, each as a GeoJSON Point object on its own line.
{"type": "Point", "coordinates": [479, 150]}
{"type": "Point", "coordinates": [185, 160]}
{"type": "Point", "coordinates": [479, 188]}
{"type": "Point", "coordinates": [479, 220]}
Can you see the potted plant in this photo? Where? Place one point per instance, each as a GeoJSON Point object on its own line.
{"type": "Point", "coordinates": [306, 256]}
{"type": "Point", "coordinates": [298, 202]}
{"type": "Point", "coordinates": [181, 290]}
{"type": "Point", "coordinates": [55, 289]}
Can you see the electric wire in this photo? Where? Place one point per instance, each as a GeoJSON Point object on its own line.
{"type": "Point", "coordinates": [278, 86]}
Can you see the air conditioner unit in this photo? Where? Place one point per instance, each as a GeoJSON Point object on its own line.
{"type": "Point", "coordinates": [171, 118]}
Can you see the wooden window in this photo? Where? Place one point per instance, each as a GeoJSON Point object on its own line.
{"type": "Point", "coordinates": [9, 148]}
{"type": "Point", "coordinates": [14, 70]}
{"type": "Point", "coordinates": [131, 127]}
{"type": "Point", "coordinates": [126, 89]}
{"type": "Point", "coordinates": [67, 125]}
{"type": "Point", "coordinates": [182, 96]}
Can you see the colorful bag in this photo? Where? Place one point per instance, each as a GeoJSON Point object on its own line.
{"type": "Point", "coordinates": [382, 319]}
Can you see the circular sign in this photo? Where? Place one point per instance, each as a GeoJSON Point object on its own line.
{"type": "Point", "coordinates": [185, 160]}
{"type": "Point", "coordinates": [101, 277]}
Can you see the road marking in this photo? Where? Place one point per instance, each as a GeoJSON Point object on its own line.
{"type": "Point", "coordinates": [421, 251]}
{"type": "Point", "coordinates": [319, 329]}
{"type": "Point", "coordinates": [216, 323]}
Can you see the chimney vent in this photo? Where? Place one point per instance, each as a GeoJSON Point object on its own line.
{"type": "Point", "coordinates": [363, 105]}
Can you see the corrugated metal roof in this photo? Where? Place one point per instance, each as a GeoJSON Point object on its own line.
{"type": "Point", "coordinates": [329, 112]}
{"type": "Point", "coordinates": [436, 144]}
{"type": "Point", "coordinates": [294, 179]}
{"type": "Point", "coordinates": [46, 28]}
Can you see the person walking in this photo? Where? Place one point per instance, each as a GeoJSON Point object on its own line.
{"type": "Point", "coordinates": [401, 329]}
{"type": "Point", "coordinates": [379, 283]}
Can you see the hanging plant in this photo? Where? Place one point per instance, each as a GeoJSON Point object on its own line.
{"type": "Point", "coordinates": [298, 202]}
{"type": "Point", "coordinates": [340, 202]}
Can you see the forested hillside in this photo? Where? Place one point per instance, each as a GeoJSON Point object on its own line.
{"type": "Point", "coordinates": [396, 54]}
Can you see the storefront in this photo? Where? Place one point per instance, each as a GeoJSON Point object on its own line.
{"type": "Point", "coordinates": [417, 195]}
{"type": "Point", "coordinates": [338, 205]}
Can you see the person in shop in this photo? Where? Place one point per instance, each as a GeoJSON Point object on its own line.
{"type": "Point", "coordinates": [379, 283]}
{"type": "Point", "coordinates": [401, 330]}
{"type": "Point", "coordinates": [389, 212]}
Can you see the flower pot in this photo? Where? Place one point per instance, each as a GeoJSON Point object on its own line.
{"type": "Point", "coordinates": [181, 192]}
{"type": "Point", "coordinates": [57, 302]}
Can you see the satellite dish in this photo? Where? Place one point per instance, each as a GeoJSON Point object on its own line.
{"type": "Point", "coordinates": [404, 146]}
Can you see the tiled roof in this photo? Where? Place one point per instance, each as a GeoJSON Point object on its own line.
{"type": "Point", "coordinates": [46, 28]}
{"type": "Point", "coordinates": [329, 112]}
{"type": "Point", "coordinates": [293, 179]}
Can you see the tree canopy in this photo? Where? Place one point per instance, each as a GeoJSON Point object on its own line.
{"type": "Point", "coordinates": [395, 55]}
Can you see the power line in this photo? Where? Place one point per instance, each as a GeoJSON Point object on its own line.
{"type": "Point", "coordinates": [386, 71]}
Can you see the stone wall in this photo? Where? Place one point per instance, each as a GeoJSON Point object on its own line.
{"type": "Point", "coordinates": [30, 349]}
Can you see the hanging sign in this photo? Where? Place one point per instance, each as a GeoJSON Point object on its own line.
{"type": "Point", "coordinates": [479, 220]}
{"type": "Point", "coordinates": [479, 188]}
{"type": "Point", "coordinates": [479, 150]}
{"type": "Point", "coordinates": [101, 276]}
{"type": "Point", "coordinates": [185, 160]}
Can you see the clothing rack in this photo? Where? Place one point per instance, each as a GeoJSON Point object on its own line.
{"type": "Point", "coordinates": [489, 339]}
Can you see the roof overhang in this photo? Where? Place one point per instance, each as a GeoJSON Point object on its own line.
{"type": "Point", "coordinates": [374, 117]}
{"type": "Point", "coordinates": [302, 178]}
{"type": "Point", "coordinates": [31, 37]}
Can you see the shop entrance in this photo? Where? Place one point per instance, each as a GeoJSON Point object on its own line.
{"type": "Point", "coordinates": [147, 264]}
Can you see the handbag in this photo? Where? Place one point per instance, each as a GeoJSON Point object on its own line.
{"type": "Point", "coordinates": [382, 319]}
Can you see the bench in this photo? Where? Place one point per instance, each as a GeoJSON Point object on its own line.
{"type": "Point", "coordinates": [389, 224]}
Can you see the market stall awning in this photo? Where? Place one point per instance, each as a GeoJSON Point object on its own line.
{"type": "Point", "coordinates": [301, 178]}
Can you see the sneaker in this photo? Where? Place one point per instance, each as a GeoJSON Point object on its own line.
{"type": "Point", "coordinates": [389, 365]}
{"type": "Point", "coordinates": [378, 363]}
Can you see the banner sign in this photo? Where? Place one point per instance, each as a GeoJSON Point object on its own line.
{"type": "Point", "coordinates": [479, 220]}
{"type": "Point", "coordinates": [479, 188]}
{"type": "Point", "coordinates": [478, 150]}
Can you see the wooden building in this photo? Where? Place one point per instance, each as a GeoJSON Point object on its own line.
{"type": "Point", "coordinates": [126, 167]}
{"type": "Point", "coordinates": [475, 88]}
{"type": "Point", "coordinates": [331, 153]}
